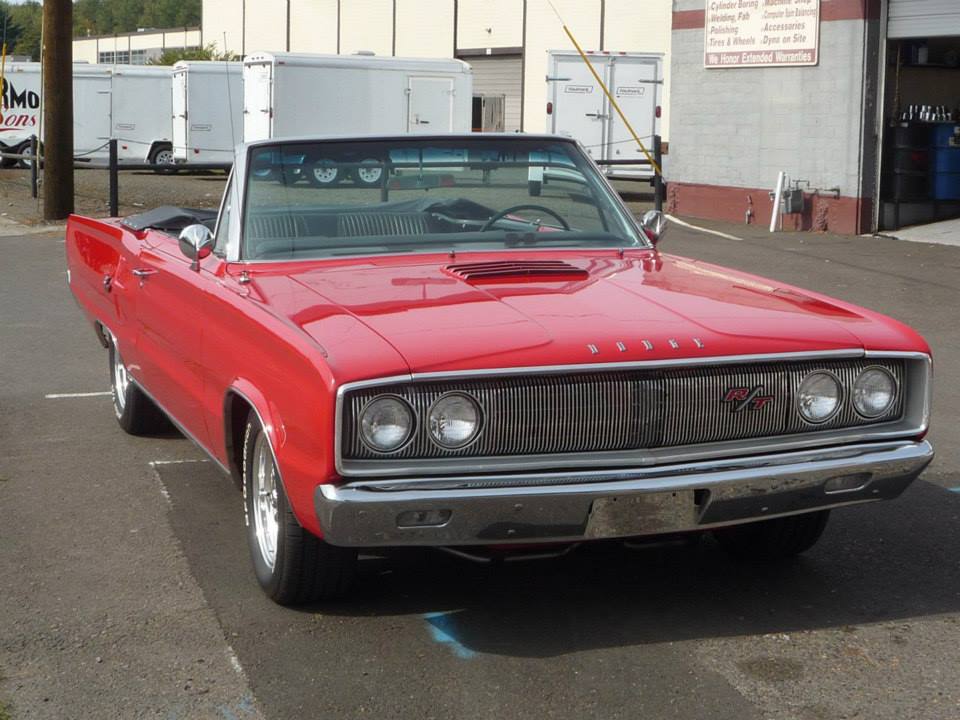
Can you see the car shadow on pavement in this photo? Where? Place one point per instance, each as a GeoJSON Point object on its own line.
{"type": "Point", "coordinates": [883, 562]}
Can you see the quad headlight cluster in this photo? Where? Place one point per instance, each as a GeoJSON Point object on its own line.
{"type": "Point", "coordinates": [388, 422]}
{"type": "Point", "coordinates": [821, 394]}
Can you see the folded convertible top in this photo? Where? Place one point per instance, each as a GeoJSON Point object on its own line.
{"type": "Point", "coordinates": [170, 219]}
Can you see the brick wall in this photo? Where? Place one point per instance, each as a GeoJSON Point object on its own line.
{"type": "Point", "coordinates": [737, 128]}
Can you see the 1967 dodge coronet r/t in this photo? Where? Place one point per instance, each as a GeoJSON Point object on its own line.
{"type": "Point", "coordinates": [390, 342]}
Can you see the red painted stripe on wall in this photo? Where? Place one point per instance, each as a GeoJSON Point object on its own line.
{"type": "Point", "coordinates": [830, 10]}
{"type": "Point", "coordinates": [689, 19]}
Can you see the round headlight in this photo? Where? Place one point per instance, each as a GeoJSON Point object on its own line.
{"type": "Point", "coordinates": [819, 396]}
{"type": "Point", "coordinates": [874, 392]}
{"type": "Point", "coordinates": [386, 423]}
{"type": "Point", "coordinates": [454, 420]}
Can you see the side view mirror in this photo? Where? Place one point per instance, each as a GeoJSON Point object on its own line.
{"type": "Point", "coordinates": [196, 242]}
{"type": "Point", "coordinates": [654, 225]}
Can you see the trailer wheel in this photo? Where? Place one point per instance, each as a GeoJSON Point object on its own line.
{"type": "Point", "coordinates": [368, 176]}
{"type": "Point", "coordinates": [162, 155]}
{"type": "Point", "coordinates": [24, 148]}
{"type": "Point", "coordinates": [324, 173]}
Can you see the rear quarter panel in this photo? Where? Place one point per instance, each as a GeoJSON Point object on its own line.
{"type": "Point", "coordinates": [96, 250]}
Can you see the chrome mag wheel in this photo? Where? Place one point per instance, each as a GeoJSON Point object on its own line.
{"type": "Point", "coordinates": [121, 381]}
{"type": "Point", "coordinates": [265, 500]}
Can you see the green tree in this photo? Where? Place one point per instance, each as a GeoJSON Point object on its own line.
{"type": "Point", "coordinates": [28, 19]}
{"type": "Point", "coordinates": [105, 17]}
{"type": "Point", "coordinates": [208, 52]}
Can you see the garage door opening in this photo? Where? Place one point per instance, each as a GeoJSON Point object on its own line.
{"type": "Point", "coordinates": [920, 153]}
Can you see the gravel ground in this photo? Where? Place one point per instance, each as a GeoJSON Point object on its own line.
{"type": "Point", "coordinates": [138, 191]}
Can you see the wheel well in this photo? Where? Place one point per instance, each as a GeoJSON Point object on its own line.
{"type": "Point", "coordinates": [236, 409]}
{"type": "Point", "coordinates": [157, 146]}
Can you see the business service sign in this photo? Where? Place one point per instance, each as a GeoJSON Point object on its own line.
{"type": "Point", "coordinates": [761, 33]}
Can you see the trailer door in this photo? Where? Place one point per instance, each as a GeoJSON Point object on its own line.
{"type": "Point", "coordinates": [633, 82]}
{"type": "Point", "coordinates": [92, 115]}
{"type": "Point", "coordinates": [579, 106]}
{"type": "Point", "coordinates": [430, 109]}
{"type": "Point", "coordinates": [258, 102]}
{"type": "Point", "coordinates": [181, 137]}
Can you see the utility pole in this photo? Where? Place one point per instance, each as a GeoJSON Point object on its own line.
{"type": "Point", "coordinates": [57, 109]}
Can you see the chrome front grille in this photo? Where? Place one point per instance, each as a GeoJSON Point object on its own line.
{"type": "Point", "coordinates": [621, 410]}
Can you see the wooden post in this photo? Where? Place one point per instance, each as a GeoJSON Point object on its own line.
{"type": "Point", "coordinates": [57, 109]}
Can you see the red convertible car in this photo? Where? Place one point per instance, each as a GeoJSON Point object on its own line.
{"type": "Point", "coordinates": [441, 357]}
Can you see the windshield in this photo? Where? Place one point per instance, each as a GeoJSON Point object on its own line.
{"type": "Point", "coordinates": [325, 199]}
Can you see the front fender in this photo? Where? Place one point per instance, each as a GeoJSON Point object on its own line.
{"type": "Point", "coordinates": [301, 470]}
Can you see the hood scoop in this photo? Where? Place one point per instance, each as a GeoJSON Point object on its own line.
{"type": "Point", "coordinates": [516, 271]}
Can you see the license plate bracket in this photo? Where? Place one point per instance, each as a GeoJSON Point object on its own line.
{"type": "Point", "coordinates": [651, 513]}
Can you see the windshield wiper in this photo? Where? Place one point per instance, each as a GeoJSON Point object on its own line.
{"type": "Point", "coordinates": [513, 239]}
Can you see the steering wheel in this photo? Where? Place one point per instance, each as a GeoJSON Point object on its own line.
{"type": "Point", "coordinates": [503, 213]}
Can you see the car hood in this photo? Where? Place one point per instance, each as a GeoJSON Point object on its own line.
{"type": "Point", "coordinates": [641, 306]}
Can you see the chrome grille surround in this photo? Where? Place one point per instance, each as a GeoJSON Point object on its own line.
{"type": "Point", "coordinates": [619, 414]}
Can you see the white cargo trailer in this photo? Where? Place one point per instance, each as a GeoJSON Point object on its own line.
{"type": "Point", "coordinates": [141, 113]}
{"type": "Point", "coordinates": [207, 111]}
{"type": "Point", "coordinates": [20, 117]}
{"type": "Point", "coordinates": [290, 94]}
{"type": "Point", "coordinates": [577, 106]}
{"type": "Point", "coordinates": [129, 103]}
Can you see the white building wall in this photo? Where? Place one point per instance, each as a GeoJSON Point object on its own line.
{"type": "Point", "coordinates": [223, 25]}
{"type": "Point", "coordinates": [84, 50]}
{"type": "Point", "coordinates": [425, 28]}
{"type": "Point", "coordinates": [544, 33]}
{"type": "Point", "coordinates": [313, 26]}
{"type": "Point", "coordinates": [366, 25]}
{"type": "Point", "coordinates": [489, 23]}
{"type": "Point", "coordinates": [642, 27]}
{"type": "Point", "coordinates": [266, 26]}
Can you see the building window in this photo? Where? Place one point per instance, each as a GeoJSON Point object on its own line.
{"type": "Point", "coordinates": [121, 57]}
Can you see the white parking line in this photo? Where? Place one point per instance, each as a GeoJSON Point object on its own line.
{"type": "Point", "coordinates": [154, 463]}
{"type": "Point", "coordinates": [685, 224]}
{"type": "Point", "coordinates": [58, 396]}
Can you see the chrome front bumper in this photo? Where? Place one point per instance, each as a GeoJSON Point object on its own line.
{"type": "Point", "coordinates": [574, 506]}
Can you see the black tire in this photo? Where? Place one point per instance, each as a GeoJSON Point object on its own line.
{"type": "Point", "coordinates": [136, 413]}
{"type": "Point", "coordinates": [774, 539]}
{"type": "Point", "coordinates": [535, 187]}
{"type": "Point", "coordinates": [9, 162]}
{"type": "Point", "coordinates": [367, 177]}
{"type": "Point", "coordinates": [162, 157]}
{"type": "Point", "coordinates": [305, 568]}
{"type": "Point", "coordinates": [323, 173]}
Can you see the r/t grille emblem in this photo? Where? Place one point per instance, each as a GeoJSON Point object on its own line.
{"type": "Point", "coordinates": [747, 398]}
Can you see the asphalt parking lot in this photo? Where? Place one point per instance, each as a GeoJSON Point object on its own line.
{"type": "Point", "coordinates": [127, 590]}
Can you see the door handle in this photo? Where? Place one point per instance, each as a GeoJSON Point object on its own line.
{"type": "Point", "coordinates": [142, 274]}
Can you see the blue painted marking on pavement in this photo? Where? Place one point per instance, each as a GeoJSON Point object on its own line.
{"type": "Point", "coordinates": [956, 489]}
{"type": "Point", "coordinates": [443, 631]}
